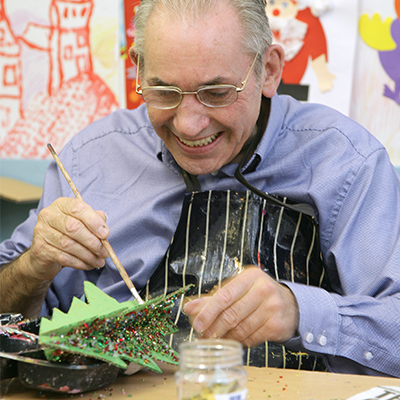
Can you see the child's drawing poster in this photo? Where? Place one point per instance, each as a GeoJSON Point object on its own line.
{"type": "Point", "coordinates": [132, 98]}
{"type": "Point", "coordinates": [319, 39]}
{"type": "Point", "coordinates": [376, 90]}
{"type": "Point", "coordinates": [58, 71]}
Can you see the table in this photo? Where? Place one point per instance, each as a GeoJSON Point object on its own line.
{"type": "Point", "coordinates": [263, 384]}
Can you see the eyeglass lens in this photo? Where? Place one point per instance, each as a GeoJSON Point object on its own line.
{"type": "Point", "coordinates": [217, 96]}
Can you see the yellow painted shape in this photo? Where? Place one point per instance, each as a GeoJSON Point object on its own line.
{"type": "Point", "coordinates": [376, 33]}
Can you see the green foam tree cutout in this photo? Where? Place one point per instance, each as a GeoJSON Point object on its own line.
{"type": "Point", "coordinates": [110, 331]}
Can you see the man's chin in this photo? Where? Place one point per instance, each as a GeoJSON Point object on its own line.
{"type": "Point", "coordinates": [194, 169]}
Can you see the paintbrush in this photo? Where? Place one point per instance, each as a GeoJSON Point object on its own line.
{"type": "Point", "coordinates": [105, 242]}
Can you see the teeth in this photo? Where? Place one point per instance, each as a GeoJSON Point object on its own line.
{"type": "Point", "coordinates": [199, 143]}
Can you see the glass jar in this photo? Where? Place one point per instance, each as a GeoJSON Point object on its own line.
{"type": "Point", "coordinates": [211, 369]}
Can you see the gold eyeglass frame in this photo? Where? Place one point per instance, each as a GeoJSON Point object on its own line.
{"type": "Point", "coordinates": [201, 88]}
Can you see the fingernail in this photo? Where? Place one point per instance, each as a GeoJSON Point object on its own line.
{"type": "Point", "coordinates": [101, 263]}
{"type": "Point", "coordinates": [198, 326]}
{"type": "Point", "coordinates": [103, 231]}
{"type": "Point", "coordinates": [106, 216]}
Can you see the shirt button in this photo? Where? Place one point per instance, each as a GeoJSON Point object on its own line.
{"type": "Point", "coordinates": [321, 339]}
{"type": "Point", "coordinates": [368, 355]}
{"type": "Point", "coordinates": [309, 337]}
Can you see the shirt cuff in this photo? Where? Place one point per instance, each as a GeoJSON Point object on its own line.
{"type": "Point", "coordinates": [319, 319]}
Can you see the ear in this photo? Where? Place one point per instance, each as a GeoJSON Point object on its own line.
{"type": "Point", "coordinates": [273, 61]}
{"type": "Point", "coordinates": [133, 55]}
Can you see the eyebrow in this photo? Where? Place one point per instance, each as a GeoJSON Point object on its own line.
{"type": "Point", "coordinates": [215, 81]}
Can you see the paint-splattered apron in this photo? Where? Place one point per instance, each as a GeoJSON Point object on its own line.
{"type": "Point", "coordinates": [219, 232]}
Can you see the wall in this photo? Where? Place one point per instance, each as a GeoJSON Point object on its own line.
{"type": "Point", "coordinates": [104, 31]}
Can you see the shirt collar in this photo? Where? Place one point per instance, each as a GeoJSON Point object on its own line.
{"type": "Point", "coordinates": [270, 121]}
{"type": "Point", "coordinates": [165, 156]}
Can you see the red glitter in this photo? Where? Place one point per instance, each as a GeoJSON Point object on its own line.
{"type": "Point", "coordinates": [139, 344]}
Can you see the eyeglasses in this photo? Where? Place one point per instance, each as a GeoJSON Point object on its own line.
{"type": "Point", "coordinates": [168, 97]}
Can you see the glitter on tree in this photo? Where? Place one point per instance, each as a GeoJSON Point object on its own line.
{"type": "Point", "coordinates": [110, 331]}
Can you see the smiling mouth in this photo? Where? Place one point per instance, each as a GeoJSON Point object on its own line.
{"type": "Point", "coordinates": [201, 142]}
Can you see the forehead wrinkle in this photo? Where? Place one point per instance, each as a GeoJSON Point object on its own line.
{"type": "Point", "coordinates": [156, 77]}
{"type": "Point", "coordinates": [218, 80]}
{"type": "Point", "coordinates": [198, 43]}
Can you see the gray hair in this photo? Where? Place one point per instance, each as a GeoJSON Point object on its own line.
{"type": "Point", "coordinates": [257, 33]}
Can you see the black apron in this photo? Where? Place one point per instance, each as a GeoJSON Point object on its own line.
{"type": "Point", "coordinates": [218, 233]}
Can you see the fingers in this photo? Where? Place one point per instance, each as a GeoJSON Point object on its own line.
{"type": "Point", "coordinates": [220, 306]}
{"type": "Point", "coordinates": [252, 308]}
{"type": "Point", "coordinates": [77, 215]}
{"type": "Point", "coordinates": [274, 319]}
{"type": "Point", "coordinates": [192, 307]}
{"type": "Point", "coordinates": [69, 233]}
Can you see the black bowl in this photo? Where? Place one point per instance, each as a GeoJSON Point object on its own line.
{"type": "Point", "coordinates": [24, 358]}
{"type": "Point", "coordinates": [9, 368]}
{"type": "Point", "coordinates": [80, 374]}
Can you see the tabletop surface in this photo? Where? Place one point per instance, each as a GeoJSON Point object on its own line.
{"type": "Point", "coordinates": [263, 383]}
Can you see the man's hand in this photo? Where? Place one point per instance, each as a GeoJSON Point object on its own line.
{"type": "Point", "coordinates": [251, 308]}
{"type": "Point", "coordinates": [68, 233]}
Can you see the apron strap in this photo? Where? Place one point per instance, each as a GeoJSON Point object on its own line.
{"type": "Point", "coordinates": [191, 181]}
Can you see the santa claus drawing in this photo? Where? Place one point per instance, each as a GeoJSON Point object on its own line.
{"type": "Point", "coordinates": [300, 33]}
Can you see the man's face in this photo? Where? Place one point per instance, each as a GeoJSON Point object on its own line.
{"type": "Point", "coordinates": [189, 55]}
{"type": "Point", "coordinates": [282, 8]}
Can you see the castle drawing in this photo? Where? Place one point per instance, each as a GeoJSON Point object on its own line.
{"type": "Point", "coordinates": [10, 74]}
{"type": "Point", "coordinates": [75, 96]}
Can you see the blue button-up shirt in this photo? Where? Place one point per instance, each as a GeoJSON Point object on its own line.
{"type": "Point", "coordinates": [310, 154]}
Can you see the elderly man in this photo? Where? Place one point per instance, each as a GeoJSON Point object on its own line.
{"type": "Point", "coordinates": [213, 126]}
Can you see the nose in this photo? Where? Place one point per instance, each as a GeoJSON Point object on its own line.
{"type": "Point", "coordinates": [275, 12]}
{"type": "Point", "coordinates": [191, 117]}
